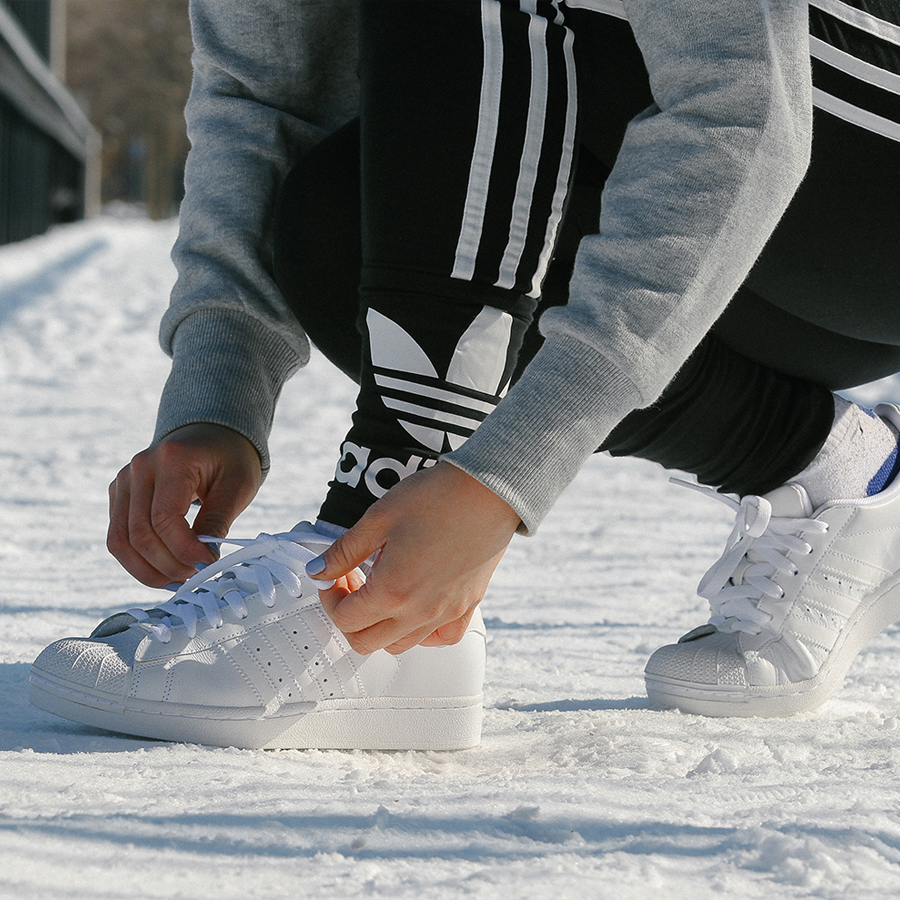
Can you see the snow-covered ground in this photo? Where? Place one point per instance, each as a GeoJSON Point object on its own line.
{"type": "Point", "coordinates": [578, 790]}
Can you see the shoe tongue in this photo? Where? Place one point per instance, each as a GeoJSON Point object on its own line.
{"type": "Point", "coordinates": [790, 501]}
{"type": "Point", "coordinates": [115, 624]}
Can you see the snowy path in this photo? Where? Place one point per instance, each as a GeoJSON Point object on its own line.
{"type": "Point", "coordinates": [579, 790]}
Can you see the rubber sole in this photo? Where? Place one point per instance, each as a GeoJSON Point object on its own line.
{"type": "Point", "coordinates": [445, 723]}
{"type": "Point", "coordinates": [869, 620]}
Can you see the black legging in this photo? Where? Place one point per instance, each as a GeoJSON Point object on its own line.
{"type": "Point", "coordinates": [753, 404]}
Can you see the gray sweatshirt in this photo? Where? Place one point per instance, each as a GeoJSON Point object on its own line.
{"type": "Point", "coordinates": [700, 182]}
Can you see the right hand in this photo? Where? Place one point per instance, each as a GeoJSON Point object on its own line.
{"type": "Point", "coordinates": [150, 498]}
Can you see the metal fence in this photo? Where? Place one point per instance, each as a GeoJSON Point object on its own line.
{"type": "Point", "coordinates": [48, 149]}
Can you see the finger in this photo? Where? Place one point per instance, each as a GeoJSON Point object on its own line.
{"type": "Point", "coordinates": [442, 636]}
{"type": "Point", "coordinates": [370, 621]}
{"type": "Point", "coordinates": [148, 515]}
{"type": "Point", "coordinates": [446, 635]}
{"type": "Point", "coordinates": [354, 611]}
{"type": "Point", "coordinates": [396, 636]}
{"type": "Point", "coordinates": [176, 542]}
{"type": "Point", "coordinates": [407, 643]}
{"type": "Point", "coordinates": [387, 634]}
{"type": "Point", "coordinates": [390, 610]}
{"type": "Point", "coordinates": [342, 588]}
{"type": "Point", "coordinates": [118, 540]}
{"type": "Point", "coordinates": [349, 551]}
{"type": "Point", "coordinates": [226, 499]}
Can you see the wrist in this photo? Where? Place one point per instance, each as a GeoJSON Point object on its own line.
{"type": "Point", "coordinates": [477, 496]}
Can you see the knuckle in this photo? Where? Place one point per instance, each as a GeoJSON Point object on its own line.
{"type": "Point", "coordinates": [360, 645]}
{"type": "Point", "coordinates": [116, 543]}
{"type": "Point", "coordinates": [353, 618]}
{"type": "Point", "coordinates": [462, 611]}
{"type": "Point", "coordinates": [162, 520]}
{"type": "Point", "coordinates": [335, 613]}
{"type": "Point", "coordinates": [140, 463]}
{"type": "Point", "coordinates": [433, 610]}
{"type": "Point", "coordinates": [141, 536]}
{"type": "Point", "coordinates": [453, 632]}
{"type": "Point", "coordinates": [166, 451]}
{"type": "Point", "coordinates": [122, 479]}
{"type": "Point", "coordinates": [348, 614]}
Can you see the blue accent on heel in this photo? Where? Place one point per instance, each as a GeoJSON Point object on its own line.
{"type": "Point", "coordinates": [884, 476]}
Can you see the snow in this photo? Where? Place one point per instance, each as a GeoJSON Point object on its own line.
{"type": "Point", "coordinates": [578, 790]}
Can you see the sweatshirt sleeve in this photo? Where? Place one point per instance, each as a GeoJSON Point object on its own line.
{"type": "Point", "coordinates": [700, 182]}
{"type": "Point", "coordinates": [271, 79]}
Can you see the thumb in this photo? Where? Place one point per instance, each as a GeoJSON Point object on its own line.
{"type": "Point", "coordinates": [218, 510]}
{"type": "Point", "coordinates": [348, 552]}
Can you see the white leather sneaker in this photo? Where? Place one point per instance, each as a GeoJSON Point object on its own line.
{"type": "Point", "coordinates": [794, 598]}
{"type": "Point", "coordinates": [245, 656]}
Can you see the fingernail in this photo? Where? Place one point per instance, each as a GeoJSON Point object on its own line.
{"type": "Point", "coordinates": [315, 566]}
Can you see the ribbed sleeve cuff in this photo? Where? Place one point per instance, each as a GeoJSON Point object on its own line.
{"type": "Point", "coordinates": [228, 369]}
{"type": "Point", "coordinates": [531, 447]}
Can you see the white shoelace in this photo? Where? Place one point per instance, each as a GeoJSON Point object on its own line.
{"type": "Point", "coordinates": [259, 566]}
{"type": "Point", "coordinates": [756, 550]}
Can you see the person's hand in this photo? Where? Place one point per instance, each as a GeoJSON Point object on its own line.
{"type": "Point", "coordinates": [441, 534]}
{"type": "Point", "coordinates": [150, 498]}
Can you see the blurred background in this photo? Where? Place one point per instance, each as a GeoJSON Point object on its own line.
{"type": "Point", "coordinates": [92, 94]}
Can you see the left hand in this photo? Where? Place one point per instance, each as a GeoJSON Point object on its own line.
{"type": "Point", "coordinates": [441, 534]}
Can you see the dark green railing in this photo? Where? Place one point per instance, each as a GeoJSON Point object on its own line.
{"type": "Point", "coordinates": [47, 146]}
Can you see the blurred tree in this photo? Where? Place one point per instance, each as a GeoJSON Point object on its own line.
{"type": "Point", "coordinates": [129, 66]}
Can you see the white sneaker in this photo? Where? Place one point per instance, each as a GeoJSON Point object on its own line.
{"type": "Point", "coordinates": [794, 598]}
{"type": "Point", "coordinates": [245, 656]}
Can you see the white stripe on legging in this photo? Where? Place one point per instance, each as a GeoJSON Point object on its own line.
{"type": "Point", "coordinates": [856, 116]}
{"type": "Point", "coordinates": [854, 66]}
{"type": "Point", "coordinates": [485, 140]}
{"type": "Point", "coordinates": [423, 390]}
{"type": "Point", "coordinates": [859, 19]}
{"type": "Point", "coordinates": [565, 166]}
{"type": "Point", "coordinates": [531, 149]}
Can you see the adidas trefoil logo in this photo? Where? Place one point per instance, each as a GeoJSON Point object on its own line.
{"type": "Point", "coordinates": [440, 413]}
